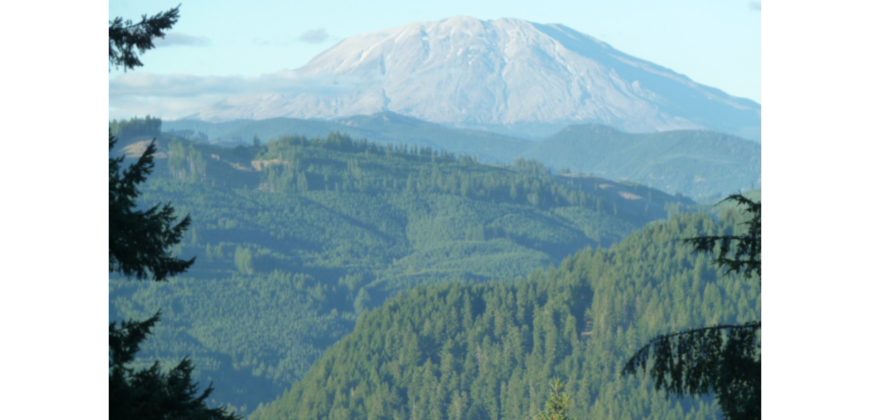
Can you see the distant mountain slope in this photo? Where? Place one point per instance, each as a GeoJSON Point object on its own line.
{"type": "Point", "coordinates": [383, 128]}
{"type": "Point", "coordinates": [502, 74]}
{"type": "Point", "coordinates": [695, 163]}
{"type": "Point", "coordinates": [699, 164]}
{"type": "Point", "coordinates": [396, 199]}
{"type": "Point", "coordinates": [296, 237]}
{"type": "Point", "coordinates": [490, 351]}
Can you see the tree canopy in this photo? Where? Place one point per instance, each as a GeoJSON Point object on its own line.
{"type": "Point", "coordinates": [724, 358]}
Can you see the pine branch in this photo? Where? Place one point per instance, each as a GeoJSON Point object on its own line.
{"type": "Point", "coordinates": [127, 39]}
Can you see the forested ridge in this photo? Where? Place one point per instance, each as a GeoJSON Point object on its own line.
{"type": "Point", "coordinates": [701, 164]}
{"type": "Point", "coordinates": [295, 237]}
{"type": "Point", "coordinates": [490, 350]}
{"type": "Point", "coordinates": [705, 165]}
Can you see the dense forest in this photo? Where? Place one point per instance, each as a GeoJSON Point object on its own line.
{"type": "Point", "coordinates": [491, 350]}
{"type": "Point", "coordinates": [382, 128]}
{"type": "Point", "coordinates": [697, 163]}
{"type": "Point", "coordinates": [296, 237]}
{"type": "Point", "coordinates": [701, 164]}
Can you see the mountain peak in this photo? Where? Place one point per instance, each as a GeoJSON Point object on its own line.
{"type": "Point", "coordinates": [461, 21]}
{"type": "Point", "coordinates": [507, 72]}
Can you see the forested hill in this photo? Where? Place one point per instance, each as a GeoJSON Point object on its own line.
{"type": "Point", "coordinates": [295, 237]}
{"type": "Point", "coordinates": [489, 351]}
{"type": "Point", "coordinates": [698, 163]}
{"type": "Point", "coordinates": [333, 205]}
{"type": "Point", "coordinates": [382, 128]}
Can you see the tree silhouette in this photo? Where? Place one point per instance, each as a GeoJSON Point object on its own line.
{"type": "Point", "coordinates": [140, 245]}
{"type": "Point", "coordinates": [150, 393]}
{"type": "Point", "coordinates": [724, 359]}
{"type": "Point", "coordinates": [127, 39]}
{"type": "Point", "coordinates": [140, 241]}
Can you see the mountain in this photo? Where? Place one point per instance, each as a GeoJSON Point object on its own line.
{"type": "Point", "coordinates": [296, 237]}
{"type": "Point", "coordinates": [506, 74]}
{"type": "Point", "coordinates": [490, 351]}
{"type": "Point", "coordinates": [700, 164]}
{"type": "Point", "coordinates": [382, 128]}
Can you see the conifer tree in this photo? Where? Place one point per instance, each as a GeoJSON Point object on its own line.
{"type": "Point", "coordinates": [140, 241]}
{"type": "Point", "coordinates": [724, 359]}
{"type": "Point", "coordinates": [140, 245]}
{"type": "Point", "coordinates": [557, 404]}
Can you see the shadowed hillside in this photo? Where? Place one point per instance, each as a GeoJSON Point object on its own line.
{"type": "Point", "coordinates": [488, 351]}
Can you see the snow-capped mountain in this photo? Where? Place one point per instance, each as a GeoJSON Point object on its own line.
{"type": "Point", "coordinates": [506, 73]}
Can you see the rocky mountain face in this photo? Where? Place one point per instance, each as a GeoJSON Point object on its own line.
{"type": "Point", "coordinates": [505, 74]}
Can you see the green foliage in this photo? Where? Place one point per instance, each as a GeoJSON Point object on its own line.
{"type": "Point", "coordinates": [700, 164]}
{"type": "Point", "coordinates": [150, 393]}
{"type": "Point", "coordinates": [140, 241]}
{"type": "Point", "coordinates": [126, 131]}
{"type": "Point", "coordinates": [724, 359]}
{"type": "Point", "coordinates": [186, 163]}
{"type": "Point", "coordinates": [140, 245]}
{"type": "Point", "coordinates": [459, 350]}
{"type": "Point", "coordinates": [251, 336]}
{"type": "Point", "coordinates": [244, 260]}
{"type": "Point", "coordinates": [557, 404]}
{"type": "Point", "coordinates": [382, 128]}
{"type": "Point", "coordinates": [127, 39]}
{"type": "Point", "coordinates": [739, 253]}
{"type": "Point", "coordinates": [373, 221]}
{"type": "Point", "coordinates": [392, 212]}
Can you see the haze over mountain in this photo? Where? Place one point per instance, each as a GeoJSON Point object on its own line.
{"type": "Point", "coordinates": [504, 74]}
{"type": "Point", "coordinates": [383, 127]}
{"type": "Point", "coordinates": [704, 165]}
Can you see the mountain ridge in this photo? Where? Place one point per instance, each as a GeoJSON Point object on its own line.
{"type": "Point", "coordinates": [511, 73]}
{"type": "Point", "coordinates": [701, 164]}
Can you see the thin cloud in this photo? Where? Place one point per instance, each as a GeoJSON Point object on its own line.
{"type": "Point", "coordinates": [755, 5]}
{"type": "Point", "coordinates": [180, 39]}
{"type": "Point", "coordinates": [314, 36]}
{"type": "Point", "coordinates": [179, 95]}
{"type": "Point", "coordinates": [174, 85]}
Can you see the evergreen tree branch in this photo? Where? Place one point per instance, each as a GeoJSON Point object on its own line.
{"type": "Point", "coordinates": [127, 39]}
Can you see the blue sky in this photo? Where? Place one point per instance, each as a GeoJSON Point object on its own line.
{"type": "Point", "coordinates": [714, 42]}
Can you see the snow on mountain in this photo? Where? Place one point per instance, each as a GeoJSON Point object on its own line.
{"type": "Point", "coordinates": [506, 73]}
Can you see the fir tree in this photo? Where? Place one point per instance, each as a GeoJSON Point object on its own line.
{"type": "Point", "coordinates": [724, 359]}
{"type": "Point", "coordinates": [127, 39]}
{"type": "Point", "coordinates": [140, 245]}
{"type": "Point", "coordinates": [557, 404]}
{"type": "Point", "coordinates": [140, 241]}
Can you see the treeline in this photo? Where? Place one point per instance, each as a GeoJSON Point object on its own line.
{"type": "Point", "coordinates": [135, 128]}
{"type": "Point", "coordinates": [300, 164]}
{"type": "Point", "coordinates": [491, 350]}
{"type": "Point", "coordinates": [340, 164]}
